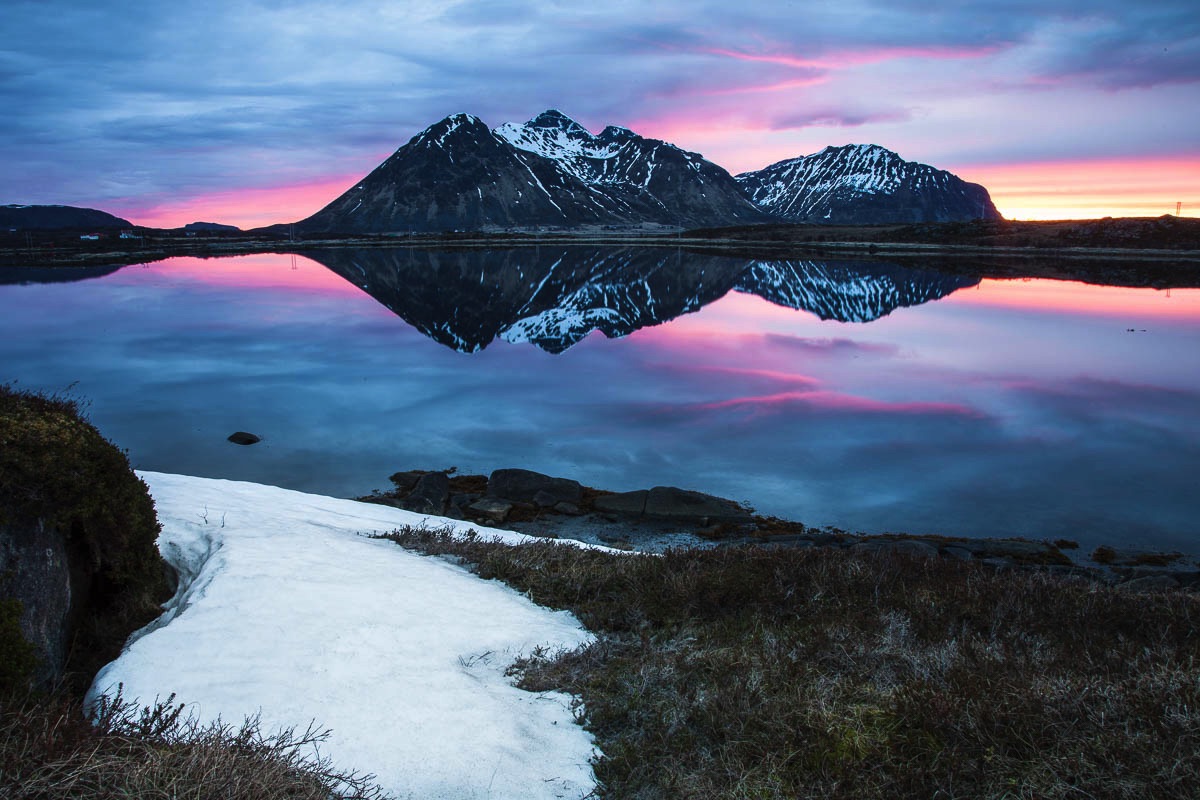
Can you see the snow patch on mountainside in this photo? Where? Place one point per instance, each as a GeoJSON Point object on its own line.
{"type": "Point", "coordinates": [616, 156]}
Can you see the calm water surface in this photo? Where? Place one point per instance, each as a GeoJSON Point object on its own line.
{"type": "Point", "coordinates": [1013, 408]}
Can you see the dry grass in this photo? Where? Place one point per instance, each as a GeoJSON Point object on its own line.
{"type": "Point", "coordinates": [49, 751]}
{"type": "Point", "coordinates": [746, 673]}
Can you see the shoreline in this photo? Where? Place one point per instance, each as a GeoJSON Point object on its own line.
{"type": "Point", "coordinates": [662, 518]}
{"type": "Point", "coordinates": [1128, 267]}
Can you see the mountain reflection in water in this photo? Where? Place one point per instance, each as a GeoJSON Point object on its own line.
{"type": "Point", "coordinates": [553, 297]}
{"type": "Point", "coordinates": [1043, 409]}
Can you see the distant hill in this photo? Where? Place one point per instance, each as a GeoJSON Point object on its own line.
{"type": "Point", "coordinates": [211, 227]}
{"type": "Point", "coordinates": [40, 218]}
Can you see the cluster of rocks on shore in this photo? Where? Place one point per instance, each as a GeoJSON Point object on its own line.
{"type": "Point", "coordinates": [666, 516]}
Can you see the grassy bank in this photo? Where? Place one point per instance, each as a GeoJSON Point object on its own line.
{"type": "Point", "coordinates": [747, 673]}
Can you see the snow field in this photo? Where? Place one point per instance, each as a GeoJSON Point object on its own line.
{"type": "Point", "coordinates": [285, 610]}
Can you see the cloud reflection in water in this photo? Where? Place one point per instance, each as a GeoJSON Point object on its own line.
{"type": "Point", "coordinates": [961, 416]}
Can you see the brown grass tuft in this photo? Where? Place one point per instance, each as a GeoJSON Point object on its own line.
{"type": "Point", "coordinates": [50, 751]}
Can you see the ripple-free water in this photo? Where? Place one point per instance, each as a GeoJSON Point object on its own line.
{"type": "Point", "coordinates": [1036, 408]}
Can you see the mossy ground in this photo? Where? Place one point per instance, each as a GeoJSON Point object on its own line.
{"type": "Point", "coordinates": [56, 468]}
{"type": "Point", "coordinates": [748, 673]}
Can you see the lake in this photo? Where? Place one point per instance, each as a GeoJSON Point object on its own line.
{"type": "Point", "coordinates": [867, 396]}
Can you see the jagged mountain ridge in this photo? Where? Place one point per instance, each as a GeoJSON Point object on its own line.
{"type": "Point", "coordinates": [550, 172]}
{"type": "Point", "coordinates": [864, 184]}
{"type": "Point", "coordinates": [552, 297]}
{"type": "Point", "coordinates": [648, 177]}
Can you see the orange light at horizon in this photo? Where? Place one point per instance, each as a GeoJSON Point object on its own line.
{"type": "Point", "coordinates": [1031, 191]}
{"type": "Point", "coordinates": [1072, 297]}
{"type": "Point", "coordinates": [1092, 189]}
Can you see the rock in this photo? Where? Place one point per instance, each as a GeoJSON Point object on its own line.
{"type": "Point", "coordinates": [1133, 558]}
{"type": "Point", "coordinates": [1012, 548]}
{"type": "Point", "coordinates": [79, 569]}
{"type": "Point", "coordinates": [546, 499]}
{"type": "Point", "coordinates": [911, 547]}
{"type": "Point", "coordinates": [241, 437]}
{"type": "Point", "coordinates": [35, 572]}
{"type": "Point", "coordinates": [669, 502]}
{"type": "Point", "coordinates": [625, 503]}
{"type": "Point", "coordinates": [905, 547]}
{"type": "Point", "coordinates": [459, 503]}
{"type": "Point", "coordinates": [405, 481]}
{"type": "Point", "coordinates": [430, 494]}
{"type": "Point", "coordinates": [492, 509]}
{"type": "Point", "coordinates": [1015, 550]}
{"type": "Point", "coordinates": [961, 553]}
{"type": "Point", "coordinates": [526, 486]}
{"type": "Point", "coordinates": [569, 509]}
{"type": "Point", "coordinates": [785, 543]}
{"type": "Point", "coordinates": [1150, 583]}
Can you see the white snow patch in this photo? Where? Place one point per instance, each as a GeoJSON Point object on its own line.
{"type": "Point", "coordinates": [284, 609]}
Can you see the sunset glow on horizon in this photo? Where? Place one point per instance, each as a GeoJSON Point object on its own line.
{"type": "Point", "coordinates": [245, 208]}
{"type": "Point", "coordinates": [1060, 190]}
{"type": "Point", "coordinates": [1147, 187]}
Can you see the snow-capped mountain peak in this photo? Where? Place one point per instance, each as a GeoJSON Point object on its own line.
{"type": "Point", "coordinates": [439, 132]}
{"type": "Point", "coordinates": [861, 183]}
{"type": "Point", "coordinates": [555, 136]}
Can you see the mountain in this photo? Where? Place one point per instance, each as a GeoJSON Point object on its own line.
{"type": "Point", "coordinates": [864, 184]}
{"type": "Point", "coordinates": [41, 218]}
{"type": "Point", "coordinates": [553, 297]}
{"type": "Point", "coordinates": [549, 172]}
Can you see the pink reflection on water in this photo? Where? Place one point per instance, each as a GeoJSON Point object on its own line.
{"type": "Point", "coordinates": [838, 402]}
{"type": "Point", "coordinates": [278, 271]}
{"type": "Point", "coordinates": [738, 374]}
{"type": "Point", "coordinates": [1072, 297]}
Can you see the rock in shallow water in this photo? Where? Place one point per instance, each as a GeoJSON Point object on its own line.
{"type": "Point", "coordinates": [526, 486]}
{"type": "Point", "coordinates": [672, 503]}
{"type": "Point", "coordinates": [241, 437]}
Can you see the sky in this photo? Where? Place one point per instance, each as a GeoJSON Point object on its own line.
{"type": "Point", "coordinates": [252, 112]}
